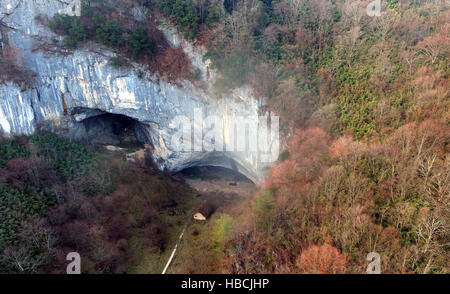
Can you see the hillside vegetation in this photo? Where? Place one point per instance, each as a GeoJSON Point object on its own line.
{"type": "Point", "coordinates": [364, 105]}
{"type": "Point", "coordinates": [365, 101]}
{"type": "Point", "coordinates": [58, 196]}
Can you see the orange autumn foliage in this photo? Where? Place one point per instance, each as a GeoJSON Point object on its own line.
{"type": "Point", "coordinates": [306, 146]}
{"type": "Point", "coordinates": [433, 48]}
{"type": "Point", "coordinates": [345, 146]}
{"type": "Point", "coordinates": [310, 140]}
{"type": "Point", "coordinates": [324, 259]}
{"type": "Point", "coordinates": [282, 173]}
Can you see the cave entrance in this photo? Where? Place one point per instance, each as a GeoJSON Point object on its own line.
{"type": "Point", "coordinates": [218, 182]}
{"type": "Point", "coordinates": [112, 129]}
{"type": "Point", "coordinates": [210, 172]}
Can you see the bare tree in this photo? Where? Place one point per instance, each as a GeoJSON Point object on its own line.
{"type": "Point", "coordinates": [22, 258]}
{"type": "Point", "coordinates": [434, 48]}
{"type": "Point", "coordinates": [427, 233]}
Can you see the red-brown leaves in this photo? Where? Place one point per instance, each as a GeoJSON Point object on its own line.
{"type": "Point", "coordinates": [12, 67]}
{"type": "Point", "coordinates": [433, 48]}
{"type": "Point", "coordinates": [307, 148]}
{"type": "Point", "coordinates": [282, 173]}
{"type": "Point", "coordinates": [324, 259]}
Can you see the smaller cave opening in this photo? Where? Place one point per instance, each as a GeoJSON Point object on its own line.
{"type": "Point", "coordinates": [111, 129]}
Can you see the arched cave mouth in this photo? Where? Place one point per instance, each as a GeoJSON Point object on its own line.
{"type": "Point", "coordinates": [211, 172]}
{"type": "Point", "coordinates": [219, 183]}
{"type": "Point", "coordinates": [103, 128]}
{"type": "Point", "coordinates": [214, 165]}
{"type": "Point", "coordinates": [111, 129]}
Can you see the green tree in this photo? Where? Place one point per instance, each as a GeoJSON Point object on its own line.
{"type": "Point", "coordinates": [140, 42]}
{"type": "Point", "coordinates": [264, 204]}
{"type": "Point", "coordinates": [222, 230]}
{"type": "Point", "coordinates": [61, 23]}
{"type": "Point", "coordinates": [186, 15]}
{"type": "Point", "coordinates": [110, 34]}
{"type": "Point", "coordinates": [11, 149]}
{"type": "Point", "coordinates": [234, 68]}
{"type": "Point", "coordinates": [213, 13]}
{"type": "Point", "coordinates": [166, 6]}
{"type": "Point", "coordinates": [145, 3]}
{"type": "Point", "coordinates": [70, 26]}
{"type": "Point", "coordinates": [66, 157]}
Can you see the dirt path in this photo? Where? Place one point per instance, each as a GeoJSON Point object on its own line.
{"type": "Point", "coordinates": [227, 191]}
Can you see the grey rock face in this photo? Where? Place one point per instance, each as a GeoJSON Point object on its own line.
{"type": "Point", "coordinates": [68, 89]}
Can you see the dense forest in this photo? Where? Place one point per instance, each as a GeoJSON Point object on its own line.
{"type": "Point", "coordinates": [365, 121]}
{"type": "Point", "coordinates": [58, 196]}
{"type": "Point", "coordinates": [365, 101]}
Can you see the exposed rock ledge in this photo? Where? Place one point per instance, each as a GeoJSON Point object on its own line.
{"type": "Point", "coordinates": [68, 89]}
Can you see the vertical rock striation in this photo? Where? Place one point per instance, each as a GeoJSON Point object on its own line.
{"type": "Point", "coordinates": [71, 87]}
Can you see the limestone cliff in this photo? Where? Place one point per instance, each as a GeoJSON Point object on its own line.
{"type": "Point", "coordinates": [69, 88]}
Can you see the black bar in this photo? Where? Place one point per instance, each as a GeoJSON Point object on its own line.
{"type": "Point", "coordinates": [222, 283]}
